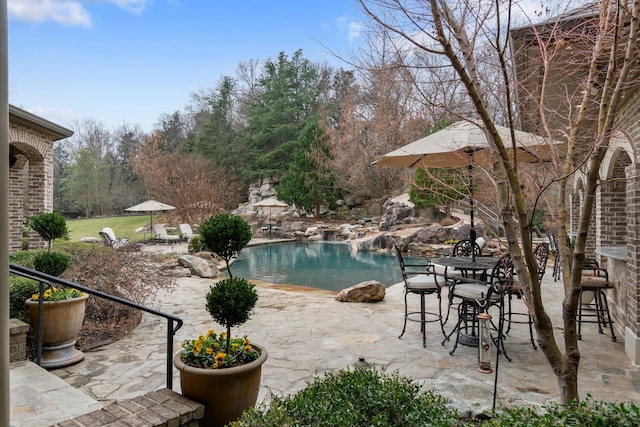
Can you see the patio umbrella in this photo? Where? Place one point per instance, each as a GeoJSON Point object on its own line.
{"type": "Point", "coordinates": [150, 206]}
{"type": "Point", "coordinates": [270, 202]}
{"type": "Point", "coordinates": [463, 144]}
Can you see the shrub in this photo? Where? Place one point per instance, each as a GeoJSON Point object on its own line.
{"type": "Point", "coordinates": [353, 398]}
{"type": "Point", "coordinates": [586, 413]}
{"type": "Point", "coordinates": [195, 245]}
{"type": "Point", "coordinates": [25, 258]}
{"type": "Point", "coordinates": [20, 290]}
{"type": "Point", "coordinates": [225, 235]}
{"type": "Point", "coordinates": [50, 226]}
{"type": "Point", "coordinates": [230, 302]}
{"type": "Point", "coordinates": [52, 263]}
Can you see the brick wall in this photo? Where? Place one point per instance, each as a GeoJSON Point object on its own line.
{"type": "Point", "coordinates": [33, 172]}
{"type": "Point", "coordinates": [17, 340]}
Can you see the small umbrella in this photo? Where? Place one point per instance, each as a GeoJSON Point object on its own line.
{"type": "Point", "coordinates": [150, 206]}
{"type": "Point", "coordinates": [463, 144]}
{"type": "Point", "coordinates": [270, 202]}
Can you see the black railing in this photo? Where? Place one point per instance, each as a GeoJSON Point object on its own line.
{"type": "Point", "coordinates": [48, 280]}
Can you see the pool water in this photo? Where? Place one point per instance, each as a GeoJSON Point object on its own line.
{"type": "Point", "coordinates": [323, 265]}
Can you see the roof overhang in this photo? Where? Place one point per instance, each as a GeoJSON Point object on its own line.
{"type": "Point", "coordinates": [29, 120]}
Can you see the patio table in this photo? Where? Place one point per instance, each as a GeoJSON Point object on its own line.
{"type": "Point", "coordinates": [477, 269]}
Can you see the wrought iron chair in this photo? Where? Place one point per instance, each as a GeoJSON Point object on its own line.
{"type": "Point", "coordinates": [463, 247]}
{"type": "Point", "coordinates": [422, 280]}
{"type": "Point", "coordinates": [476, 296]}
{"type": "Point", "coordinates": [595, 280]}
{"type": "Point", "coordinates": [555, 250]}
{"type": "Point", "coordinates": [541, 254]}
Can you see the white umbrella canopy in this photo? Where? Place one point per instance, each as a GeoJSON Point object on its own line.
{"type": "Point", "coordinates": [150, 206]}
{"type": "Point", "coordinates": [270, 202]}
{"type": "Point", "coordinates": [452, 147]}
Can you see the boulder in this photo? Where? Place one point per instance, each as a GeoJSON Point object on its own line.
{"type": "Point", "coordinates": [369, 291]}
{"type": "Point", "coordinates": [198, 266]}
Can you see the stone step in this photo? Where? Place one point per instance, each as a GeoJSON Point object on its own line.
{"type": "Point", "coordinates": [159, 408]}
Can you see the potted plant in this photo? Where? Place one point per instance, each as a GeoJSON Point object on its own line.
{"type": "Point", "coordinates": [220, 371]}
{"type": "Point", "coordinates": [62, 308]}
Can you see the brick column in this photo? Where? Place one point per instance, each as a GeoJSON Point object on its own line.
{"type": "Point", "coordinates": [40, 194]}
{"type": "Point", "coordinates": [16, 210]}
{"type": "Point", "coordinates": [630, 289]}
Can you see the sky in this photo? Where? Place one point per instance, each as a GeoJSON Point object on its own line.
{"type": "Point", "coordinates": [131, 61]}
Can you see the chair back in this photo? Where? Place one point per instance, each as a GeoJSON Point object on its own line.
{"type": "Point", "coordinates": [463, 248]}
{"type": "Point", "coordinates": [501, 279]}
{"type": "Point", "coordinates": [553, 243]}
{"type": "Point", "coordinates": [158, 229]}
{"type": "Point", "coordinates": [541, 254]}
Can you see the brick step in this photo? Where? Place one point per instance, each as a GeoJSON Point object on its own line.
{"type": "Point", "coordinates": [160, 408]}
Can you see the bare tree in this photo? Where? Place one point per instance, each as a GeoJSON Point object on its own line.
{"type": "Point", "coordinates": [597, 55]}
{"type": "Point", "coordinates": [195, 186]}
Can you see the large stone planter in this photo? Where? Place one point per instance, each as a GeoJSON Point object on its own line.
{"type": "Point", "coordinates": [62, 321]}
{"type": "Point", "coordinates": [225, 393]}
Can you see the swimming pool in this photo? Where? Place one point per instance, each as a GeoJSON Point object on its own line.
{"type": "Point", "coordinates": [323, 265]}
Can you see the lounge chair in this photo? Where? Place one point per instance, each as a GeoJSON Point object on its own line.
{"type": "Point", "coordinates": [109, 238]}
{"type": "Point", "coordinates": [186, 233]}
{"type": "Point", "coordinates": [161, 235]}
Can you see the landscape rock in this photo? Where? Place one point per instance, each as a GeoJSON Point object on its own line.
{"type": "Point", "coordinates": [198, 266]}
{"type": "Point", "coordinates": [369, 291]}
{"type": "Point", "coordinates": [91, 240]}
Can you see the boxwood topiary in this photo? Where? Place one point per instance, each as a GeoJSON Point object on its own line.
{"type": "Point", "coordinates": [53, 263]}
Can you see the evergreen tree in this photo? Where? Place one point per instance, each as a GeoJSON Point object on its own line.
{"type": "Point", "coordinates": [307, 183]}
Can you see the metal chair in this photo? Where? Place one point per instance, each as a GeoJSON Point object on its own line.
{"type": "Point", "coordinates": [596, 281]}
{"type": "Point", "coordinates": [555, 250]}
{"type": "Point", "coordinates": [463, 247]}
{"type": "Point", "coordinates": [422, 280]}
{"type": "Point", "coordinates": [477, 296]}
{"type": "Point", "coordinates": [541, 254]}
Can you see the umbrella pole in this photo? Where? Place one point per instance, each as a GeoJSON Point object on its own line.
{"type": "Point", "coordinates": [472, 231]}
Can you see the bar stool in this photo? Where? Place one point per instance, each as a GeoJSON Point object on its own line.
{"type": "Point", "coordinates": [596, 281]}
{"type": "Point", "coordinates": [422, 280]}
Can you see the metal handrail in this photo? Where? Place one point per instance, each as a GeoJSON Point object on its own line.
{"type": "Point", "coordinates": [46, 279]}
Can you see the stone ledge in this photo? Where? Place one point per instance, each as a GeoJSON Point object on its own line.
{"type": "Point", "coordinates": [159, 408]}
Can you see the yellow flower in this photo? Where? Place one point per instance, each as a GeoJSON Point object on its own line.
{"type": "Point", "coordinates": [220, 356]}
{"type": "Point", "coordinates": [210, 333]}
{"type": "Point", "coordinates": [248, 348]}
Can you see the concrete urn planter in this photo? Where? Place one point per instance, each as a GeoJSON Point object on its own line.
{"type": "Point", "coordinates": [225, 393]}
{"type": "Point", "coordinates": [62, 320]}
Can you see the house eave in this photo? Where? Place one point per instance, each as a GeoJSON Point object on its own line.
{"type": "Point", "coordinates": [20, 117]}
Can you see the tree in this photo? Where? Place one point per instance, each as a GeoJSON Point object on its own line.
{"type": "Point", "coordinates": [287, 102]}
{"type": "Point", "coordinates": [597, 54]}
{"type": "Point", "coordinates": [308, 183]}
{"type": "Point", "coordinates": [193, 184]}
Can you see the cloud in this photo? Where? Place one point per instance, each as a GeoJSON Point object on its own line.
{"type": "Point", "coordinates": [355, 28]}
{"type": "Point", "coordinates": [65, 12]}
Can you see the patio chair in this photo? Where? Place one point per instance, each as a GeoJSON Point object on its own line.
{"type": "Point", "coordinates": [555, 250]}
{"type": "Point", "coordinates": [186, 232]}
{"type": "Point", "coordinates": [109, 239]}
{"type": "Point", "coordinates": [479, 296]}
{"type": "Point", "coordinates": [161, 234]}
{"type": "Point", "coordinates": [420, 279]}
{"type": "Point", "coordinates": [541, 254]}
{"type": "Point", "coordinates": [596, 280]}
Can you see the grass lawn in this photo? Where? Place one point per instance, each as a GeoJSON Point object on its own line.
{"type": "Point", "coordinates": [123, 226]}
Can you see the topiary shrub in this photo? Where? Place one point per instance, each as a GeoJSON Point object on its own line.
{"type": "Point", "coordinates": [354, 398]}
{"type": "Point", "coordinates": [230, 303]}
{"type": "Point", "coordinates": [50, 226]}
{"type": "Point", "coordinates": [225, 235]}
{"type": "Point", "coordinates": [52, 263]}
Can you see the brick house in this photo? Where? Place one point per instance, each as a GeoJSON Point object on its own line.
{"type": "Point", "coordinates": [31, 141]}
{"type": "Point", "coordinates": [614, 237]}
